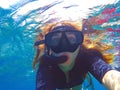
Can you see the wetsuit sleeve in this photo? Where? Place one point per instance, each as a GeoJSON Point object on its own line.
{"type": "Point", "coordinates": [44, 79]}
{"type": "Point", "coordinates": [98, 68]}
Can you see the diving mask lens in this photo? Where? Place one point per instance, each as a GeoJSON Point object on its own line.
{"type": "Point", "coordinates": [53, 39]}
{"type": "Point", "coordinates": [72, 37]}
{"type": "Point", "coordinates": [62, 39]}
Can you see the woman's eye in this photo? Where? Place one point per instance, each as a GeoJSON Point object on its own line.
{"type": "Point", "coordinates": [71, 37]}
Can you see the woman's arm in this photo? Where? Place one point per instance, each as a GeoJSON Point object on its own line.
{"type": "Point", "coordinates": [111, 80]}
{"type": "Point", "coordinates": [106, 74]}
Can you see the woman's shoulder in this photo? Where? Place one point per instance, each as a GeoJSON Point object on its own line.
{"type": "Point", "coordinates": [89, 55]}
{"type": "Point", "coordinates": [90, 52]}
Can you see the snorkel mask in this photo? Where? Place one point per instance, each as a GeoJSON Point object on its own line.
{"type": "Point", "coordinates": [62, 39]}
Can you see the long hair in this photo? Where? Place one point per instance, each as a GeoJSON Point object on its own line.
{"type": "Point", "coordinates": [87, 43]}
{"type": "Point", "coordinates": [46, 29]}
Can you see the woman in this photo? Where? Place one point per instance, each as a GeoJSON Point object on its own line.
{"type": "Point", "coordinates": [64, 61]}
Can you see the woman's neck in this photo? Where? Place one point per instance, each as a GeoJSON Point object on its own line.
{"type": "Point", "coordinates": [66, 68]}
{"type": "Point", "coordinates": [69, 64]}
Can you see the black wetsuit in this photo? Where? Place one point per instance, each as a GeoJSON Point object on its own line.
{"type": "Point", "coordinates": [50, 77]}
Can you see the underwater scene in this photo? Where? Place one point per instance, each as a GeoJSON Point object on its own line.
{"type": "Point", "coordinates": [19, 24]}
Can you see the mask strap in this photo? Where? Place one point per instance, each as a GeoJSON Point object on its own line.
{"type": "Point", "coordinates": [39, 42]}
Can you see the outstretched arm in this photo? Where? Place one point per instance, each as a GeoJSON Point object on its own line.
{"type": "Point", "coordinates": [111, 80]}
{"type": "Point", "coordinates": [106, 74]}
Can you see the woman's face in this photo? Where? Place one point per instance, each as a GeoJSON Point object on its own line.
{"type": "Point", "coordinates": [71, 56]}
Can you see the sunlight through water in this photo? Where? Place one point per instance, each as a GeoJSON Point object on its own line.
{"type": "Point", "coordinates": [19, 20]}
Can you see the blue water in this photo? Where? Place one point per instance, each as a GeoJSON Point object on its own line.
{"type": "Point", "coordinates": [17, 35]}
